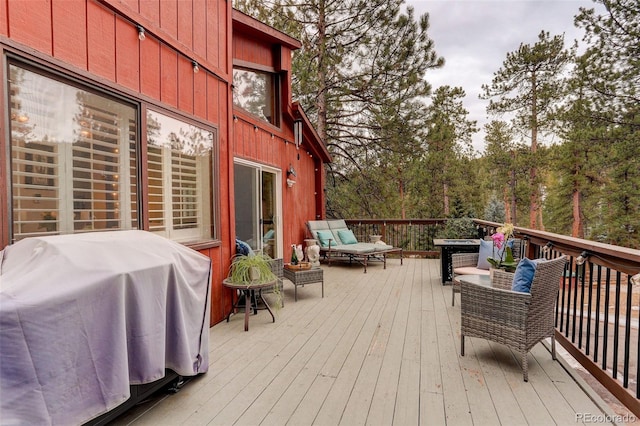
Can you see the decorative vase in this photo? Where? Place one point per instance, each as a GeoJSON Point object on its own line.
{"type": "Point", "coordinates": [254, 273]}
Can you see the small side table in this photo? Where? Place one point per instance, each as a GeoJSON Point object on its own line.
{"type": "Point", "coordinates": [304, 276]}
{"type": "Point", "coordinates": [247, 289]}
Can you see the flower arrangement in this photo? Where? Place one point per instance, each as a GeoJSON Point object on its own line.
{"type": "Point", "coordinates": [501, 239]}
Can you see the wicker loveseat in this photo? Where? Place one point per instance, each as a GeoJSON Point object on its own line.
{"type": "Point", "coordinates": [337, 242]}
{"type": "Point", "coordinates": [515, 319]}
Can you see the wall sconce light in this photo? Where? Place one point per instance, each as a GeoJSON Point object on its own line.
{"type": "Point", "coordinates": [235, 118]}
{"type": "Point", "coordinates": [635, 280]}
{"type": "Point", "coordinates": [272, 136]}
{"type": "Point", "coordinates": [291, 171]}
{"type": "Point", "coordinates": [297, 132]}
{"type": "Point", "coordinates": [290, 182]}
{"type": "Point", "coordinates": [141, 34]}
{"type": "Point", "coordinates": [255, 129]}
{"type": "Point", "coordinates": [547, 247]}
{"type": "Point", "coordinates": [196, 68]}
{"type": "Point", "coordinates": [582, 258]}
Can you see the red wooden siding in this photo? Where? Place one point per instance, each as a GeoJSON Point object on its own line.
{"type": "Point", "coordinates": [30, 23]}
{"type": "Point", "coordinates": [98, 40]}
{"type": "Point", "coordinates": [69, 38]}
{"type": "Point", "coordinates": [168, 76]}
{"type": "Point", "coordinates": [185, 23]}
{"type": "Point", "coordinates": [169, 18]}
{"type": "Point", "coordinates": [101, 41]}
{"type": "Point", "coordinates": [150, 9]}
{"type": "Point", "coordinates": [3, 18]}
{"type": "Point", "coordinates": [248, 49]}
{"type": "Point", "coordinates": [127, 55]}
{"type": "Point", "coordinates": [200, 29]}
{"type": "Point", "coordinates": [150, 60]}
{"type": "Point", "coordinates": [185, 85]}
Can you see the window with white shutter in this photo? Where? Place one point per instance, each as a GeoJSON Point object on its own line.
{"type": "Point", "coordinates": [179, 161]}
{"type": "Point", "coordinates": [73, 157]}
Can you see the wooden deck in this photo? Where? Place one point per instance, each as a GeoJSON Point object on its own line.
{"type": "Point", "coordinates": [381, 348]}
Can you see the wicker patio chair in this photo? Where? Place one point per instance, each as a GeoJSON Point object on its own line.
{"type": "Point", "coordinates": [517, 320]}
{"type": "Point", "coordinates": [468, 261]}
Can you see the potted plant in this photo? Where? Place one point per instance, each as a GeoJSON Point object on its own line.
{"type": "Point", "coordinates": [253, 269]}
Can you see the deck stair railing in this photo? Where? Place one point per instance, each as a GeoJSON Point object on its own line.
{"type": "Point", "coordinates": [598, 308]}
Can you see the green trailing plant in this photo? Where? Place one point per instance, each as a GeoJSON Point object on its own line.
{"type": "Point", "coordinates": [252, 270]}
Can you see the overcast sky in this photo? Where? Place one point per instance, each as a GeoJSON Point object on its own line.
{"type": "Point", "coordinates": [474, 37]}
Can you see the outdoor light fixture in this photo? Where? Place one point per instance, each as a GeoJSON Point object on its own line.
{"type": "Point", "coordinates": [547, 247]}
{"type": "Point", "coordinates": [235, 118]}
{"type": "Point", "coordinates": [255, 128]}
{"type": "Point", "coordinates": [635, 280]}
{"type": "Point", "coordinates": [582, 258]}
{"type": "Point", "coordinates": [196, 68]}
{"type": "Point", "coordinates": [141, 35]}
{"type": "Point", "coordinates": [291, 172]}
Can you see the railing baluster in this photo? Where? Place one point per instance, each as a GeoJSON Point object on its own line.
{"type": "Point", "coordinates": [596, 340]}
{"type": "Point", "coordinates": [616, 326]}
{"type": "Point", "coordinates": [605, 336]}
{"type": "Point", "coordinates": [583, 267]}
{"type": "Point", "coordinates": [627, 334]}
{"type": "Point", "coordinates": [590, 304]}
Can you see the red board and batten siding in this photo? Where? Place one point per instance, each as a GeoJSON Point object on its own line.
{"type": "Point", "coordinates": [98, 39]}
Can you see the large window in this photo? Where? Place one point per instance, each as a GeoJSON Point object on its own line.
{"type": "Point", "coordinates": [257, 93]}
{"type": "Point", "coordinates": [73, 158]}
{"type": "Point", "coordinates": [75, 155]}
{"type": "Point", "coordinates": [179, 163]}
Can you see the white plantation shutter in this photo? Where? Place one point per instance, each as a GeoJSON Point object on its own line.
{"type": "Point", "coordinates": [73, 156]}
{"type": "Point", "coordinates": [178, 158]}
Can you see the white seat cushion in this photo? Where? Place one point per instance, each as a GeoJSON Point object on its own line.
{"type": "Point", "coordinates": [470, 270]}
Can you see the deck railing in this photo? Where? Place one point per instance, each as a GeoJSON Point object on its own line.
{"type": "Point", "coordinates": [598, 308]}
{"type": "Point", "coordinates": [415, 236]}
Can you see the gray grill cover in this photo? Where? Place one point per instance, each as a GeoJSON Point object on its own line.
{"type": "Point", "coordinates": [84, 316]}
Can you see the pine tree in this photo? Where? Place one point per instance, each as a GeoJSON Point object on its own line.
{"type": "Point", "coordinates": [528, 85]}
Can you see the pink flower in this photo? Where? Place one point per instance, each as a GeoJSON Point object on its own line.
{"type": "Point", "coordinates": [498, 239]}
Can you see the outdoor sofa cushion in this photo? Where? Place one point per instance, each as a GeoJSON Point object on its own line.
{"type": "Point", "coordinates": [325, 237]}
{"type": "Point", "coordinates": [347, 237]}
{"type": "Point", "coordinates": [523, 276]}
{"type": "Point", "coordinates": [470, 270]}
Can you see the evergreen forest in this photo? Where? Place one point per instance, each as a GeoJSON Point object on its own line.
{"type": "Point", "coordinates": [402, 148]}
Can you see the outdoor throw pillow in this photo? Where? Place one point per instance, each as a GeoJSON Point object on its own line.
{"type": "Point", "coordinates": [523, 277]}
{"type": "Point", "coordinates": [243, 248]}
{"type": "Point", "coordinates": [486, 250]}
{"type": "Point", "coordinates": [324, 237]}
{"type": "Point", "coordinates": [347, 237]}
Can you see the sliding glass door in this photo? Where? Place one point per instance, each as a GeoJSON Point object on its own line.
{"type": "Point", "coordinates": [258, 207]}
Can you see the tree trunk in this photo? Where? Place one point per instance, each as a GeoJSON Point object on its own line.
{"type": "Point", "coordinates": [445, 190]}
{"type": "Point", "coordinates": [506, 199]}
{"type": "Point", "coordinates": [533, 171]}
{"type": "Point", "coordinates": [321, 103]}
{"type": "Point", "coordinates": [577, 229]}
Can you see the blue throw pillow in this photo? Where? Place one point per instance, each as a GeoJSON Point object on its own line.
{"type": "Point", "coordinates": [486, 250]}
{"type": "Point", "coordinates": [524, 276]}
{"type": "Point", "coordinates": [243, 248]}
{"type": "Point", "coordinates": [347, 237]}
{"type": "Point", "coordinates": [324, 237]}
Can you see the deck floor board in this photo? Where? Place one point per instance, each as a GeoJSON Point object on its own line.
{"type": "Point", "coordinates": [381, 348]}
